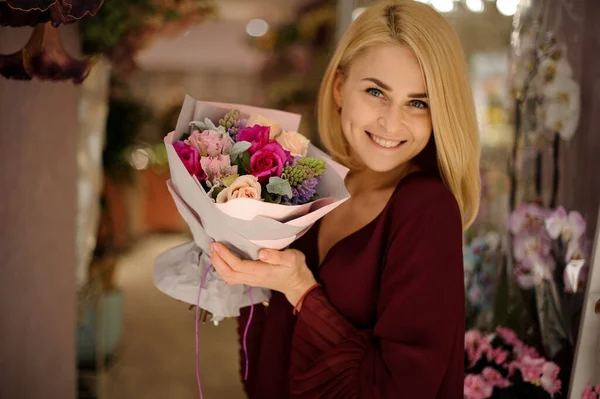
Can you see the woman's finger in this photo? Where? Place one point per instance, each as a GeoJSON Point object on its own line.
{"type": "Point", "coordinates": [288, 257]}
{"type": "Point", "coordinates": [227, 256]}
{"type": "Point", "coordinates": [223, 269]}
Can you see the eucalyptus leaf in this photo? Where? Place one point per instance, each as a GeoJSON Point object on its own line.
{"type": "Point", "coordinates": [279, 186]}
{"type": "Point", "coordinates": [239, 148]}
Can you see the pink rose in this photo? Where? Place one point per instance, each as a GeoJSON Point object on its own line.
{"type": "Point", "coordinates": [190, 158]}
{"type": "Point", "coordinates": [217, 167]}
{"type": "Point", "coordinates": [256, 135]}
{"type": "Point", "coordinates": [475, 387]}
{"type": "Point", "coordinates": [268, 161]}
{"type": "Point", "coordinates": [493, 377]}
{"type": "Point", "coordinates": [294, 142]}
{"type": "Point", "coordinates": [246, 186]}
{"type": "Point", "coordinates": [210, 143]}
{"type": "Point", "coordinates": [549, 380]}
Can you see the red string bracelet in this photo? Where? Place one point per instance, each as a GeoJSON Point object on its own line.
{"type": "Point", "coordinates": [295, 312]}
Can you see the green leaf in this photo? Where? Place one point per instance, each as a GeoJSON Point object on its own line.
{"type": "Point", "coordinates": [207, 124]}
{"type": "Point", "coordinates": [245, 162]}
{"type": "Point", "coordinates": [279, 186]}
{"type": "Point", "coordinates": [215, 192]}
{"type": "Point", "coordinates": [272, 198]}
{"type": "Point", "coordinates": [228, 180]}
{"type": "Point", "coordinates": [238, 148]}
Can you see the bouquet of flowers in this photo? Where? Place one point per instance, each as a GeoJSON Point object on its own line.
{"type": "Point", "coordinates": [499, 365]}
{"type": "Point", "coordinates": [549, 250]}
{"type": "Point", "coordinates": [481, 259]}
{"type": "Point", "coordinates": [241, 176]}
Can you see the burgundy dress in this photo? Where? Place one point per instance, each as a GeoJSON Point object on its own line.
{"type": "Point", "coordinates": [389, 319]}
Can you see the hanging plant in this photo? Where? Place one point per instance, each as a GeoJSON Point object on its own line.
{"type": "Point", "coordinates": [44, 56]}
{"type": "Point", "coordinates": [124, 27]}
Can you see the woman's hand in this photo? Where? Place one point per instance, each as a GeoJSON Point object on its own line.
{"type": "Point", "coordinates": [284, 271]}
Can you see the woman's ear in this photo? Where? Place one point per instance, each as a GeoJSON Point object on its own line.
{"type": "Point", "coordinates": [338, 84]}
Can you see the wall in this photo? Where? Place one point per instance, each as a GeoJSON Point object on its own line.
{"type": "Point", "coordinates": [38, 137]}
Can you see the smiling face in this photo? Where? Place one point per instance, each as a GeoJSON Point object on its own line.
{"type": "Point", "coordinates": [385, 111]}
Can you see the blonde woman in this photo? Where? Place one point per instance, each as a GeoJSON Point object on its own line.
{"type": "Point", "coordinates": [370, 302]}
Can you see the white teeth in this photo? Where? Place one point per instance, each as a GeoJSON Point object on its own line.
{"type": "Point", "coordinates": [385, 143]}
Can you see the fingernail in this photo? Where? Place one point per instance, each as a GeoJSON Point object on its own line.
{"type": "Point", "coordinates": [212, 248]}
{"type": "Point", "coordinates": [263, 255]}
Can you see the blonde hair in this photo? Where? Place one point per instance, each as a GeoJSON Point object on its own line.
{"type": "Point", "coordinates": [438, 49]}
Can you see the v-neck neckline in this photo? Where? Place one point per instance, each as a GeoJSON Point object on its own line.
{"type": "Point", "coordinates": [317, 228]}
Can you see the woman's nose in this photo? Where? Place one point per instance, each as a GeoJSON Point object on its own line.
{"type": "Point", "coordinates": [392, 120]}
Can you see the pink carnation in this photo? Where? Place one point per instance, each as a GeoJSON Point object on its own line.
{"type": "Point", "coordinates": [210, 143]}
{"type": "Point", "coordinates": [217, 168]}
{"type": "Point", "coordinates": [476, 387]}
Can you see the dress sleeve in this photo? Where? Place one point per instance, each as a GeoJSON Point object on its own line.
{"type": "Point", "coordinates": [420, 311]}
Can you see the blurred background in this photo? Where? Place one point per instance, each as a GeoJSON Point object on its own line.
{"type": "Point", "coordinates": [88, 91]}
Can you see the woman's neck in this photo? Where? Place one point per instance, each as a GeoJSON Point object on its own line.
{"type": "Point", "coordinates": [365, 180]}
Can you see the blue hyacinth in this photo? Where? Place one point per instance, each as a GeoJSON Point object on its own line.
{"type": "Point", "coordinates": [304, 192]}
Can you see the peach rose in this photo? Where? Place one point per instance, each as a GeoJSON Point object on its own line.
{"type": "Point", "coordinates": [256, 119]}
{"type": "Point", "coordinates": [294, 142]}
{"type": "Point", "coordinates": [246, 186]}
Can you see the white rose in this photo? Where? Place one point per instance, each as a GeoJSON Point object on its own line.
{"type": "Point", "coordinates": [294, 142]}
{"type": "Point", "coordinates": [246, 186]}
{"type": "Point", "coordinates": [256, 119]}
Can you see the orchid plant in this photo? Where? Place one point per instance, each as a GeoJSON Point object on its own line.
{"type": "Point", "coordinates": [549, 250]}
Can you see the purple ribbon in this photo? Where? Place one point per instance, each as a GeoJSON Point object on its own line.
{"type": "Point", "coordinates": [198, 320]}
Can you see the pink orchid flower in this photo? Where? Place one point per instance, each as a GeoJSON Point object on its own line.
{"type": "Point", "coordinates": [533, 270]}
{"type": "Point", "coordinates": [527, 216]}
{"type": "Point", "coordinates": [570, 228]}
{"type": "Point", "coordinates": [476, 387]}
{"type": "Point", "coordinates": [525, 244]}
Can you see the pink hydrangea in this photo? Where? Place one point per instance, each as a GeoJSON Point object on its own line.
{"type": "Point", "coordinates": [476, 387]}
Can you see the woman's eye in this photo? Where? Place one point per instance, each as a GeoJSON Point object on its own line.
{"type": "Point", "coordinates": [419, 104]}
{"type": "Point", "coordinates": [374, 92]}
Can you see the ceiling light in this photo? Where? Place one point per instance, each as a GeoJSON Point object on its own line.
{"type": "Point", "coordinates": [507, 7]}
{"type": "Point", "coordinates": [475, 5]}
{"type": "Point", "coordinates": [443, 5]}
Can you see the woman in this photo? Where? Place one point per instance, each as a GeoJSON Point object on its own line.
{"type": "Point", "coordinates": [387, 317]}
